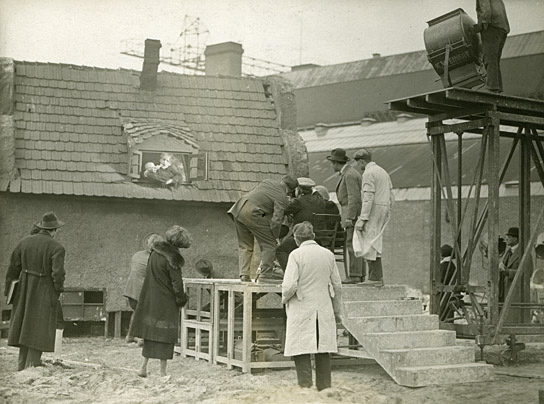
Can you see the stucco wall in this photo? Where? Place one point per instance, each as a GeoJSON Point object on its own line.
{"type": "Point", "coordinates": [406, 254]}
{"type": "Point", "coordinates": [101, 235]}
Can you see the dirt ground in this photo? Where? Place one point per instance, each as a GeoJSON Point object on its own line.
{"type": "Point", "coordinates": [95, 370]}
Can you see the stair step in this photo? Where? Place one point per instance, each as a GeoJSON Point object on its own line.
{"type": "Point", "coordinates": [400, 340]}
{"type": "Point", "coordinates": [418, 376]}
{"type": "Point", "coordinates": [395, 358]}
{"type": "Point", "coordinates": [412, 322]}
{"type": "Point", "coordinates": [382, 308]}
{"type": "Point", "coordinates": [363, 293]}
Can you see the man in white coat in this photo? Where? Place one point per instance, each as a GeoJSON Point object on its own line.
{"type": "Point", "coordinates": [311, 292]}
{"type": "Point", "coordinates": [377, 198]}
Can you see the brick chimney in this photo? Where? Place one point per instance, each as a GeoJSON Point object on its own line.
{"type": "Point", "coordinates": [401, 118]}
{"type": "Point", "coordinates": [367, 121]}
{"type": "Point", "coordinates": [148, 78]}
{"type": "Point", "coordinates": [321, 129]}
{"type": "Point", "coordinates": [224, 59]}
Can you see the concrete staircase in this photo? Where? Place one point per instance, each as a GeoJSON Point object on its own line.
{"type": "Point", "coordinates": [406, 342]}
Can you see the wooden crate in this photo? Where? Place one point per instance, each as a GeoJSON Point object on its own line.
{"type": "Point", "coordinates": [196, 319]}
{"type": "Point", "coordinates": [79, 304]}
{"type": "Point", "coordinates": [237, 317]}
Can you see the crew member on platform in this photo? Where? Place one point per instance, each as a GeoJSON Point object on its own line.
{"type": "Point", "coordinates": [493, 27]}
{"type": "Point", "coordinates": [302, 208]}
{"type": "Point", "coordinates": [377, 199]}
{"type": "Point", "coordinates": [348, 192]}
{"type": "Point", "coordinates": [259, 215]}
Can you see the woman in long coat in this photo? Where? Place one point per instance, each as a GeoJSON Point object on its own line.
{"type": "Point", "coordinates": [311, 292]}
{"type": "Point", "coordinates": [157, 312]}
{"type": "Point", "coordinates": [136, 277]}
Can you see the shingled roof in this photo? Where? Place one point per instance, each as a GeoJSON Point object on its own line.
{"type": "Point", "coordinates": [74, 125]}
{"type": "Point", "coordinates": [515, 46]}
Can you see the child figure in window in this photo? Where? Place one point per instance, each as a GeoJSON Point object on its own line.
{"type": "Point", "coordinates": [170, 171]}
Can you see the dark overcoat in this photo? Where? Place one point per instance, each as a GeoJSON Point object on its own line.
{"type": "Point", "coordinates": [156, 316]}
{"type": "Point", "coordinates": [38, 262]}
{"type": "Point", "coordinates": [511, 262]}
{"type": "Point", "coordinates": [348, 193]}
{"type": "Point", "coordinates": [303, 208]}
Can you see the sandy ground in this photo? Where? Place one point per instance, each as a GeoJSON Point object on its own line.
{"type": "Point", "coordinates": [95, 370]}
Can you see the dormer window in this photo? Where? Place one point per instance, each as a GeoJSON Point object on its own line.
{"type": "Point", "coordinates": [162, 154]}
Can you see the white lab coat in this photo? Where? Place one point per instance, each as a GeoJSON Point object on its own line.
{"type": "Point", "coordinates": [377, 199]}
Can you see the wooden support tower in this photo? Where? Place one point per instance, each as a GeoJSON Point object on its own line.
{"type": "Point", "coordinates": [502, 122]}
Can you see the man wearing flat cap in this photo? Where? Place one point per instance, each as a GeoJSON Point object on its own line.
{"type": "Point", "coordinates": [301, 208]}
{"type": "Point", "coordinates": [259, 215]}
{"type": "Point", "coordinates": [38, 263]}
{"type": "Point", "coordinates": [348, 192]}
{"type": "Point", "coordinates": [377, 199]}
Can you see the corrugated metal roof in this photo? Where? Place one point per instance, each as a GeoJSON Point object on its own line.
{"type": "Point", "coordinates": [356, 136]}
{"type": "Point", "coordinates": [410, 164]}
{"type": "Point", "coordinates": [74, 125]}
{"type": "Point", "coordinates": [515, 46]}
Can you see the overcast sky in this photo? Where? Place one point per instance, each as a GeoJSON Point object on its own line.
{"type": "Point", "coordinates": [290, 32]}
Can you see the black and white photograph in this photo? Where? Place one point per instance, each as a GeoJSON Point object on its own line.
{"type": "Point", "coordinates": [271, 201]}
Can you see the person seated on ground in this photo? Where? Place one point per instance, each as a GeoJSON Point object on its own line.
{"type": "Point", "coordinates": [301, 209]}
{"type": "Point", "coordinates": [135, 280]}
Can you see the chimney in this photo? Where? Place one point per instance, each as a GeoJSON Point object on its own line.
{"type": "Point", "coordinates": [367, 121]}
{"type": "Point", "coordinates": [321, 129]}
{"type": "Point", "coordinates": [401, 118]}
{"type": "Point", "coordinates": [148, 78]}
{"type": "Point", "coordinates": [224, 59]}
{"type": "Point", "coordinates": [376, 55]}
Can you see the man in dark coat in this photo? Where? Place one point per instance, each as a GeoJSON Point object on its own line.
{"type": "Point", "coordinates": [493, 27]}
{"type": "Point", "coordinates": [38, 263]}
{"type": "Point", "coordinates": [509, 263]}
{"type": "Point", "coordinates": [259, 215]}
{"type": "Point", "coordinates": [302, 209]}
{"type": "Point", "coordinates": [508, 266]}
{"type": "Point", "coordinates": [348, 192]}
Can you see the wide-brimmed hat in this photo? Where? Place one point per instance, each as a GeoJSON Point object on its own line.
{"type": "Point", "coordinates": [338, 155]}
{"type": "Point", "coordinates": [204, 267]}
{"type": "Point", "coordinates": [49, 221]}
{"type": "Point", "coordinates": [513, 231]}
